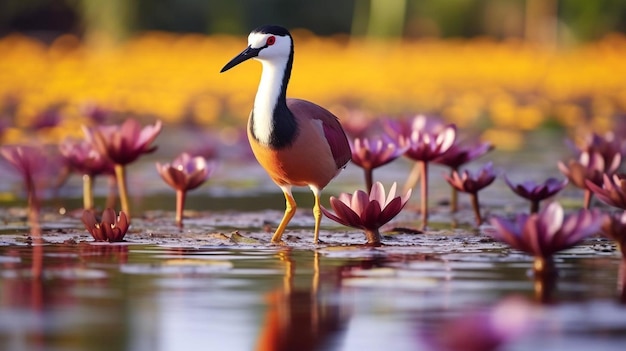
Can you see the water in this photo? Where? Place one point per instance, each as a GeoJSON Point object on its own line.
{"type": "Point", "coordinates": [219, 285]}
{"type": "Point", "coordinates": [149, 297]}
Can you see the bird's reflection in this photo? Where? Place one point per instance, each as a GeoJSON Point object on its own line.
{"type": "Point", "coordinates": [300, 317]}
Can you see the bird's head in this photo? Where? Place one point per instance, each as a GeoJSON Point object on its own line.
{"type": "Point", "coordinates": [266, 43]}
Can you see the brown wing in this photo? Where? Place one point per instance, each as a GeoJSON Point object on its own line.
{"type": "Point", "coordinates": [335, 136]}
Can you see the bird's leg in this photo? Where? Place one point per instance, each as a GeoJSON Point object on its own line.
{"type": "Point", "coordinates": [290, 210]}
{"type": "Point", "coordinates": [317, 213]}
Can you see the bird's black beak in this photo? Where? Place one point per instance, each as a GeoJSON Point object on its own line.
{"type": "Point", "coordinates": [246, 54]}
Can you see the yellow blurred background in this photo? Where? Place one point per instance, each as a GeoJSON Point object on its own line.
{"type": "Point", "coordinates": [505, 86]}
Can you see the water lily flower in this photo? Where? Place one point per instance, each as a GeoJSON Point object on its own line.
{"type": "Point", "coordinates": [536, 192]}
{"type": "Point", "coordinates": [109, 228]}
{"type": "Point", "coordinates": [608, 146]}
{"type": "Point", "coordinates": [457, 155]}
{"type": "Point", "coordinates": [373, 152]}
{"type": "Point", "coordinates": [357, 123]}
{"type": "Point", "coordinates": [547, 232]}
{"type": "Point", "coordinates": [472, 183]}
{"type": "Point", "coordinates": [183, 174]}
{"type": "Point", "coordinates": [31, 162]}
{"type": "Point", "coordinates": [485, 329]}
{"type": "Point", "coordinates": [614, 227]}
{"type": "Point", "coordinates": [589, 166]}
{"type": "Point", "coordinates": [48, 118]}
{"type": "Point", "coordinates": [426, 142]}
{"type": "Point", "coordinates": [612, 192]}
{"type": "Point", "coordinates": [367, 212]}
{"type": "Point", "coordinates": [123, 144]}
{"type": "Point", "coordinates": [95, 112]}
{"type": "Point", "coordinates": [83, 158]}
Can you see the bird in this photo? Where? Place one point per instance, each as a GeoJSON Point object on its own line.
{"type": "Point", "coordinates": [297, 142]}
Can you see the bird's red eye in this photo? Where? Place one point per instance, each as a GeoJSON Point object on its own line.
{"type": "Point", "coordinates": [270, 40]}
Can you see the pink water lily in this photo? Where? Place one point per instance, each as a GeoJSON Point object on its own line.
{"type": "Point", "coordinates": [183, 174]}
{"type": "Point", "coordinates": [589, 166]}
{"type": "Point", "coordinates": [612, 192]}
{"type": "Point", "coordinates": [33, 163]}
{"type": "Point", "coordinates": [123, 144]}
{"type": "Point", "coordinates": [461, 153]}
{"type": "Point", "coordinates": [367, 212]}
{"type": "Point", "coordinates": [547, 232]}
{"type": "Point", "coordinates": [536, 192]}
{"type": "Point", "coordinates": [82, 157]}
{"type": "Point", "coordinates": [109, 228]}
{"type": "Point", "coordinates": [472, 183]}
{"type": "Point", "coordinates": [607, 145]}
{"type": "Point", "coordinates": [373, 152]}
{"type": "Point", "coordinates": [427, 139]}
{"type": "Point", "coordinates": [485, 329]}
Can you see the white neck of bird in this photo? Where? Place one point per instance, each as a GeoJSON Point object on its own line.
{"type": "Point", "coordinates": [266, 98]}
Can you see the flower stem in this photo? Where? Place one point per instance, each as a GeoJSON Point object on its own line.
{"type": "Point", "coordinates": [120, 173]}
{"type": "Point", "coordinates": [476, 208]}
{"type": "Point", "coordinates": [588, 196]}
{"type": "Point", "coordinates": [454, 200]}
{"type": "Point", "coordinates": [534, 206]}
{"type": "Point", "coordinates": [373, 237]}
{"type": "Point", "coordinates": [180, 205]}
{"type": "Point", "coordinates": [369, 179]}
{"type": "Point", "coordinates": [414, 176]}
{"type": "Point", "coordinates": [111, 196]}
{"type": "Point", "coordinates": [424, 171]}
{"type": "Point", "coordinates": [454, 197]}
{"type": "Point", "coordinates": [87, 192]}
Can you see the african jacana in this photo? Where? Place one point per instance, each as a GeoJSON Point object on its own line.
{"type": "Point", "coordinates": [297, 142]}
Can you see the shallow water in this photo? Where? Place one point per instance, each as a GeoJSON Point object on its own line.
{"type": "Point", "coordinates": [218, 284]}
{"type": "Point", "coordinates": [148, 297]}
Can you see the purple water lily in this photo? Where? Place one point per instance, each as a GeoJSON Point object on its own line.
{"type": "Point", "coordinates": [536, 192]}
{"type": "Point", "coordinates": [123, 144]}
{"type": "Point", "coordinates": [183, 174]}
{"type": "Point", "coordinates": [109, 228]}
{"type": "Point", "coordinates": [547, 232]}
{"type": "Point", "coordinates": [367, 212]}
{"type": "Point", "coordinates": [373, 152]}
{"type": "Point", "coordinates": [472, 183]}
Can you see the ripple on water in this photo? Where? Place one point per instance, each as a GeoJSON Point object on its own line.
{"type": "Point", "coordinates": [56, 273]}
{"type": "Point", "coordinates": [178, 266]}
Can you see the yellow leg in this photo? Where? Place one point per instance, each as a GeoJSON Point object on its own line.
{"type": "Point", "coordinates": [290, 210]}
{"type": "Point", "coordinates": [317, 214]}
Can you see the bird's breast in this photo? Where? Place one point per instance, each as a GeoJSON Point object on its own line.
{"type": "Point", "coordinates": [307, 160]}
